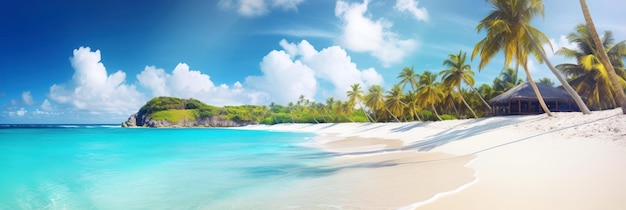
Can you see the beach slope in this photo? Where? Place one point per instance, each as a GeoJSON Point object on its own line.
{"type": "Point", "coordinates": [570, 161]}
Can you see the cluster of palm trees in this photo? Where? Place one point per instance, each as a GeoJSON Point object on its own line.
{"type": "Point", "coordinates": [598, 78]}
{"type": "Point", "coordinates": [508, 29]}
{"type": "Point", "coordinates": [425, 93]}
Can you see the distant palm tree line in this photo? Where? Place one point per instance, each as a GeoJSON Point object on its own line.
{"type": "Point", "coordinates": [426, 97]}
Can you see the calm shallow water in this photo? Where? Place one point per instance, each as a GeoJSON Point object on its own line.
{"type": "Point", "coordinates": [95, 167]}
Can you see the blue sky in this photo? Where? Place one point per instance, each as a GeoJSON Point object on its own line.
{"type": "Point", "coordinates": [73, 61]}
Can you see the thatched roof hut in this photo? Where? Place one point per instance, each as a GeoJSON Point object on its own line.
{"type": "Point", "coordinates": [522, 100]}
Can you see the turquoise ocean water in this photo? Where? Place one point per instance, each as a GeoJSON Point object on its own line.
{"type": "Point", "coordinates": [102, 167]}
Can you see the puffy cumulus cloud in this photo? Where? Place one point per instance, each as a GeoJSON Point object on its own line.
{"type": "Point", "coordinates": [186, 83]}
{"type": "Point", "coordinates": [283, 79]}
{"type": "Point", "coordinates": [332, 64]}
{"type": "Point", "coordinates": [299, 68]}
{"type": "Point", "coordinates": [361, 34]}
{"type": "Point", "coordinates": [92, 89]}
{"type": "Point", "coordinates": [27, 98]}
{"type": "Point", "coordinates": [252, 8]}
{"type": "Point", "coordinates": [411, 6]}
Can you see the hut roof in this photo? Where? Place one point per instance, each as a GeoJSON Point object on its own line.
{"type": "Point", "coordinates": [525, 92]}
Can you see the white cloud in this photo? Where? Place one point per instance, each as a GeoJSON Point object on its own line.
{"type": "Point", "coordinates": [27, 98]}
{"type": "Point", "coordinates": [20, 113]}
{"type": "Point", "coordinates": [92, 89]}
{"type": "Point", "coordinates": [283, 79]}
{"type": "Point", "coordinates": [186, 83]}
{"type": "Point", "coordinates": [411, 6]}
{"type": "Point", "coordinates": [299, 69]}
{"type": "Point", "coordinates": [46, 106]}
{"type": "Point", "coordinates": [361, 34]}
{"type": "Point", "coordinates": [332, 64]}
{"type": "Point", "coordinates": [252, 8]}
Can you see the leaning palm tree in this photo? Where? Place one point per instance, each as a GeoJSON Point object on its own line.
{"type": "Point", "coordinates": [508, 29]}
{"type": "Point", "coordinates": [459, 72]}
{"type": "Point", "coordinates": [411, 108]}
{"type": "Point", "coordinates": [428, 91]}
{"type": "Point", "coordinates": [617, 87]}
{"type": "Point", "coordinates": [589, 76]}
{"type": "Point", "coordinates": [355, 96]}
{"type": "Point", "coordinates": [393, 103]}
{"type": "Point", "coordinates": [375, 99]}
{"type": "Point", "coordinates": [408, 76]}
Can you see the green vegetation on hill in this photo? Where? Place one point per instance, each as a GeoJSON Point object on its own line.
{"type": "Point", "coordinates": [175, 110]}
{"type": "Point", "coordinates": [175, 115]}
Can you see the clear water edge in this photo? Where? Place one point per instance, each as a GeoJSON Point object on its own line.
{"type": "Point", "coordinates": [114, 168]}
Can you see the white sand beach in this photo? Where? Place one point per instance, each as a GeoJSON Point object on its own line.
{"type": "Point", "coordinates": [570, 161]}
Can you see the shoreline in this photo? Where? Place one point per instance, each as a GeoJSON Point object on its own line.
{"type": "Point", "coordinates": [517, 162]}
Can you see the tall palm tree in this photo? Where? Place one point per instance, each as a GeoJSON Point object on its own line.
{"type": "Point", "coordinates": [330, 102]}
{"type": "Point", "coordinates": [508, 29]}
{"type": "Point", "coordinates": [408, 76]}
{"type": "Point", "coordinates": [313, 109]}
{"type": "Point", "coordinates": [428, 92]}
{"type": "Point", "coordinates": [459, 72]}
{"type": "Point", "coordinates": [355, 96]}
{"type": "Point", "coordinates": [412, 108]}
{"type": "Point", "coordinates": [375, 99]}
{"type": "Point", "coordinates": [393, 103]}
{"type": "Point", "coordinates": [589, 76]}
{"type": "Point", "coordinates": [617, 87]}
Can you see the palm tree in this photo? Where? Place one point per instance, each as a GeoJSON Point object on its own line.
{"type": "Point", "coordinates": [546, 81]}
{"type": "Point", "coordinates": [375, 99]}
{"type": "Point", "coordinates": [408, 76]}
{"type": "Point", "coordinates": [617, 87]}
{"type": "Point", "coordinates": [487, 91]}
{"type": "Point", "coordinates": [588, 75]}
{"type": "Point", "coordinates": [393, 102]}
{"type": "Point", "coordinates": [292, 112]}
{"type": "Point", "coordinates": [313, 110]}
{"type": "Point", "coordinates": [355, 95]}
{"type": "Point", "coordinates": [458, 71]}
{"type": "Point", "coordinates": [508, 29]}
{"type": "Point", "coordinates": [428, 92]}
{"type": "Point", "coordinates": [412, 108]}
{"type": "Point", "coordinates": [330, 102]}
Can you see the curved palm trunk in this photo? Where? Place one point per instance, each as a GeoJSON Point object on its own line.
{"type": "Point", "coordinates": [315, 119]}
{"type": "Point", "coordinates": [456, 111]}
{"type": "Point", "coordinates": [477, 93]}
{"type": "Point", "coordinates": [417, 116]}
{"type": "Point", "coordinates": [435, 110]}
{"type": "Point", "coordinates": [615, 84]}
{"type": "Point", "coordinates": [566, 85]}
{"type": "Point", "coordinates": [465, 102]}
{"type": "Point", "coordinates": [394, 116]}
{"type": "Point", "coordinates": [539, 97]}
{"type": "Point", "coordinates": [369, 118]}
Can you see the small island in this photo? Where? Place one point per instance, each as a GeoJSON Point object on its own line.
{"type": "Point", "coordinates": [176, 112]}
